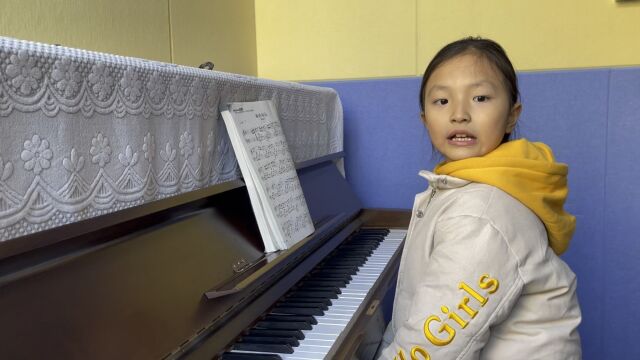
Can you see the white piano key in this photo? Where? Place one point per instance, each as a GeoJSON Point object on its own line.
{"type": "Point", "coordinates": [332, 321]}
{"type": "Point", "coordinates": [318, 336]}
{"type": "Point", "coordinates": [336, 316]}
{"type": "Point", "coordinates": [319, 342]}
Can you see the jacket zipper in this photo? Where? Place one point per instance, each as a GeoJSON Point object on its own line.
{"type": "Point", "coordinates": [433, 193]}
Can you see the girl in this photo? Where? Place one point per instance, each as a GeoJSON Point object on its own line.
{"type": "Point", "coordinates": [480, 276]}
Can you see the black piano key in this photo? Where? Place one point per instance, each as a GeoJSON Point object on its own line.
{"type": "Point", "coordinates": [336, 283]}
{"type": "Point", "coordinates": [330, 273]}
{"type": "Point", "coordinates": [383, 231]}
{"type": "Point", "coordinates": [365, 251]}
{"type": "Point", "coordinates": [282, 325]}
{"type": "Point", "coordinates": [253, 356]}
{"type": "Point", "coordinates": [334, 289]}
{"type": "Point", "coordinates": [348, 256]}
{"type": "Point", "coordinates": [321, 276]}
{"type": "Point", "coordinates": [348, 261]}
{"type": "Point", "coordinates": [349, 272]}
{"type": "Point", "coordinates": [369, 237]}
{"type": "Point", "coordinates": [361, 244]}
{"type": "Point", "coordinates": [291, 318]}
{"type": "Point", "coordinates": [312, 305]}
{"type": "Point", "coordinates": [312, 294]}
{"type": "Point", "coordinates": [275, 332]}
{"type": "Point", "coordinates": [339, 262]}
{"type": "Point", "coordinates": [274, 348]}
{"type": "Point", "coordinates": [269, 340]}
{"type": "Point", "coordinates": [339, 267]}
{"type": "Point", "coordinates": [365, 243]}
{"type": "Point", "coordinates": [297, 310]}
{"type": "Point", "coordinates": [356, 264]}
{"type": "Point", "coordinates": [342, 259]}
{"type": "Point", "coordinates": [365, 248]}
{"type": "Point", "coordinates": [330, 276]}
{"type": "Point", "coordinates": [302, 299]}
{"type": "Point", "coordinates": [368, 245]}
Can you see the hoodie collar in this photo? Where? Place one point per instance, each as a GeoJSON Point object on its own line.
{"type": "Point", "coordinates": [442, 182]}
{"type": "Point", "coordinates": [528, 172]}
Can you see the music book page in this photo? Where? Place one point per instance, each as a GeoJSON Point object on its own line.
{"type": "Point", "coordinates": [269, 173]}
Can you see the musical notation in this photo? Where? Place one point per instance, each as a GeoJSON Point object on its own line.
{"type": "Point", "coordinates": [268, 157]}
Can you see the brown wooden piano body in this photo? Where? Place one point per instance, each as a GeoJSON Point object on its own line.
{"type": "Point", "coordinates": [176, 278]}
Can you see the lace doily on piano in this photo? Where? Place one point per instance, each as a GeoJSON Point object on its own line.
{"type": "Point", "coordinates": [85, 133]}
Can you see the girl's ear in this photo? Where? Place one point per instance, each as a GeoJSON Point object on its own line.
{"type": "Point", "coordinates": [514, 114]}
{"type": "Point", "coordinates": [423, 117]}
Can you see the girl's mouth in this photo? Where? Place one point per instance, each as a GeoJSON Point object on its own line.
{"type": "Point", "coordinates": [461, 139]}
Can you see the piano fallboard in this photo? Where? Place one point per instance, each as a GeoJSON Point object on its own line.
{"type": "Point", "coordinates": [176, 278]}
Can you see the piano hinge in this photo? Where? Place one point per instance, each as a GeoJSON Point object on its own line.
{"type": "Point", "coordinates": [241, 265]}
{"type": "Point", "coordinates": [372, 308]}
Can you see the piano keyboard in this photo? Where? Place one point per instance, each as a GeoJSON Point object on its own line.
{"type": "Point", "coordinates": [305, 323]}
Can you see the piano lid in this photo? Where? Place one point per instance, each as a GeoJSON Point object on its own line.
{"type": "Point", "coordinates": [91, 133]}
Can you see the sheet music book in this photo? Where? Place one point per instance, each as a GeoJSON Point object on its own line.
{"type": "Point", "coordinates": [269, 173]}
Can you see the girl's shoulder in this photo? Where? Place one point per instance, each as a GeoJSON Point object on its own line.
{"type": "Point", "coordinates": [495, 206]}
{"type": "Point", "coordinates": [485, 205]}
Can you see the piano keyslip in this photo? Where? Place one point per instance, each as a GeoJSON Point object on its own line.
{"type": "Point", "coordinates": [318, 341]}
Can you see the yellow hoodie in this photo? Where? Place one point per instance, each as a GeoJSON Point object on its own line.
{"type": "Point", "coordinates": [528, 172]}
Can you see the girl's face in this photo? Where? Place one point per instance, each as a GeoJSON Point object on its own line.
{"type": "Point", "coordinates": [467, 108]}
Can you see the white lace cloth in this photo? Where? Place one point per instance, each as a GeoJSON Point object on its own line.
{"type": "Point", "coordinates": [84, 133]}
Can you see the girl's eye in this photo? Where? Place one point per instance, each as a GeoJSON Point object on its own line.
{"type": "Point", "coordinates": [441, 102]}
{"type": "Point", "coordinates": [481, 98]}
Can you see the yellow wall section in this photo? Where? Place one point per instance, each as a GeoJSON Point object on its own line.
{"type": "Point", "coordinates": [543, 34]}
{"type": "Point", "coordinates": [137, 28]}
{"type": "Point", "coordinates": [220, 31]}
{"type": "Point", "coordinates": [333, 39]}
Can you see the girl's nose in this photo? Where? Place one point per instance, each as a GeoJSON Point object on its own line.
{"type": "Point", "coordinates": [460, 114]}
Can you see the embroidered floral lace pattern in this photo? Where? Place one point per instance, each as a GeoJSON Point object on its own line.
{"type": "Point", "coordinates": [85, 134]}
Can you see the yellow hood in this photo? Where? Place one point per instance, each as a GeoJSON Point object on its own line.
{"type": "Point", "coordinates": [528, 172]}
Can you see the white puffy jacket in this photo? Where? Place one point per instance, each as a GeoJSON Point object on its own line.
{"type": "Point", "coordinates": [478, 280]}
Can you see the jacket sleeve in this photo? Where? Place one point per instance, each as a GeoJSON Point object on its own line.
{"type": "Point", "coordinates": [472, 282]}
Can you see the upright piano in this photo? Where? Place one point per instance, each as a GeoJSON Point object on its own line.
{"type": "Point", "coordinates": [186, 278]}
{"type": "Point", "coordinates": [126, 231]}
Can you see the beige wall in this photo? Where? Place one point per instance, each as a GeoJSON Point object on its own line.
{"type": "Point", "coordinates": [187, 32]}
{"type": "Point", "coordinates": [335, 39]}
{"type": "Point", "coordinates": [137, 28]}
{"type": "Point", "coordinates": [222, 32]}
{"type": "Point", "coordinates": [332, 39]}
{"type": "Point", "coordinates": [543, 34]}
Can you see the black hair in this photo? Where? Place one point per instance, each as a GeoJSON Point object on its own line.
{"type": "Point", "coordinates": [489, 50]}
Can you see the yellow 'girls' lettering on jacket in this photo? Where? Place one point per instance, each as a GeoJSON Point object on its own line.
{"type": "Point", "coordinates": [485, 282]}
{"type": "Point", "coordinates": [416, 353]}
{"type": "Point", "coordinates": [445, 309]}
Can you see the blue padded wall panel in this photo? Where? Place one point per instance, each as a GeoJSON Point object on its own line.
{"type": "Point", "coordinates": [568, 111]}
{"type": "Point", "coordinates": [590, 118]}
{"type": "Point", "coordinates": [621, 288]}
{"type": "Point", "coordinates": [385, 142]}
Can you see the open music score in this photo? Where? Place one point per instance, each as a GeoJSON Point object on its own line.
{"type": "Point", "coordinates": [267, 167]}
